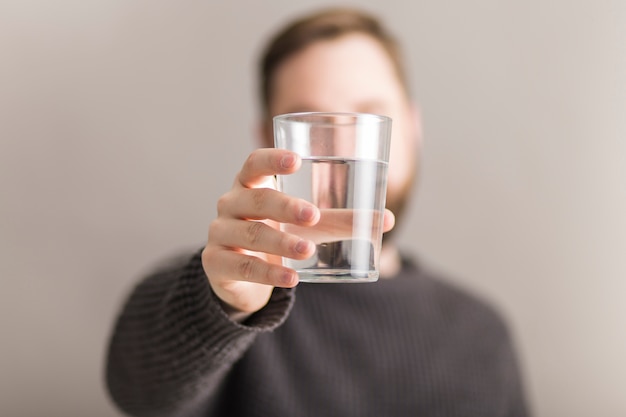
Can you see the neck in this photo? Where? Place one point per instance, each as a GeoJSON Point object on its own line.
{"type": "Point", "coordinates": [390, 262]}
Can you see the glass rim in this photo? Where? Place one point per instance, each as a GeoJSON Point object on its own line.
{"type": "Point", "coordinates": [321, 118]}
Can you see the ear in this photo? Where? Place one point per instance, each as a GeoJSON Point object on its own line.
{"type": "Point", "coordinates": [264, 133]}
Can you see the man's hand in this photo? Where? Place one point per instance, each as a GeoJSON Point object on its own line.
{"type": "Point", "coordinates": [242, 258]}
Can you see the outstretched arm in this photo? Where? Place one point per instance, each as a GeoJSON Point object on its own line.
{"type": "Point", "coordinates": [173, 342]}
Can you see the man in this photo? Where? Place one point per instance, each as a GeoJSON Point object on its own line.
{"type": "Point", "coordinates": [223, 333]}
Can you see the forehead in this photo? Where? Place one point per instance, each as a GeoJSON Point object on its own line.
{"type": "Point", "coordinates": [343, 74]}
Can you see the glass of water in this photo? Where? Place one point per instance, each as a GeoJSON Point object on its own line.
{"type": "Point", "coordinates": [344, 173]}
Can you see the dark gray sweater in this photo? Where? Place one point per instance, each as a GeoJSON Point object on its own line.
{"type": "Point", "coordinates": [412, 345]}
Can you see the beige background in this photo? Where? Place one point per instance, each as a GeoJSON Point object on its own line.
{"type": "Point", "coordinates": [121, 122]}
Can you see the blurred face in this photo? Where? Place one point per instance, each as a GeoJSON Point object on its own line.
{"type": "Point", "coordinates": [352, 74]}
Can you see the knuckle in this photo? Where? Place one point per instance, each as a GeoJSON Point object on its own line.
{"type": "Point", "coordinates": [208, 259]}
{"type": "Point", "coordinates": [205, 254]}
{"type": "Point", "coordinates": [222, 203]}
{"type": "Point", "coordinates": [288, 204]}
{"type": "Point", "coordinates": [252, 158]}
{"type": "Point", "coordinates": [246, 268]}
{"type": "Point", "coordinates": [210, 253]}
{"type": "Point", "coordinates": [215, 228]}
{"type": "Point", "coordinates": [254, 232]}
{"type": "Point", "coordinates": [290, 207]}
{"type": "Point", "coordinates": [259, 196]}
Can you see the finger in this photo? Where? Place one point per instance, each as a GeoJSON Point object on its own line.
{"type": "Point", "coordinates": [341, 224]}
{"type": "Point", "coordinates": [259, 237]}
{"type": "Point", "coordinates": [229, 265]}
{"type": "Point", "coordinates": [266, 162]}
{"type": "Point", "coordinates": [389, 220]}
{"type": "Point", "coordinates": [266, 203]}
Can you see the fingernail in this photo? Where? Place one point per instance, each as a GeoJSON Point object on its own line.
{"type": "Point", "coordinates": [307, 213]}
{"type": "Point", "coordinates": [302, 246]}
{"type": "Point", "coordinates": [288, 160]}
{"type": "Point", "coordinates": [287, 279]}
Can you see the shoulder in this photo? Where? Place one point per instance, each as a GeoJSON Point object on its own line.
{"type": "Point", "coordinates": [459, 310]}
{"type": "Point", "coordinates": [468, 331]}
{"type": "Point", "coordinates": [469, 337]}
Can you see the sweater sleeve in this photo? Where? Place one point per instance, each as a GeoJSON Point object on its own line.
{"type": "Point", "coordinates": [173, 343]}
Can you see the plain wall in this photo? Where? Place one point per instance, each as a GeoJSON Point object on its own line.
{"type": "Point", "coordinates": [122, 122]}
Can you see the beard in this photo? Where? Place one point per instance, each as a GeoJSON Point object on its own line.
{"type": "Point", "coordinates": [399, 202]}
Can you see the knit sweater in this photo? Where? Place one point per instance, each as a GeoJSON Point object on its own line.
{"type": "Point", "coordinates": [411, 345]}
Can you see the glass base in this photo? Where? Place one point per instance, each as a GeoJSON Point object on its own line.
{"type": "Point", "coordinates": [336, 276]}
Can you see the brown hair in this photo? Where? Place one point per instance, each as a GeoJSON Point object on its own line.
{"type": "Point", "coordinates": [325, 25]}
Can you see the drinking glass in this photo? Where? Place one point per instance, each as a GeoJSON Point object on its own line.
{"type": "Point", "coordinates": [345, 157]}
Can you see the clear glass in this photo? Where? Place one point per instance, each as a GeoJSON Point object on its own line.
{"type": "Point", "coordinates": [344, 173]}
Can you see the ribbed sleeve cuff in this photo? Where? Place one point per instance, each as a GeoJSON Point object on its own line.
{"type": "Point", "coordinates": [173, 341]}
{"type": "Point", "coordinates": [206, 321]}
